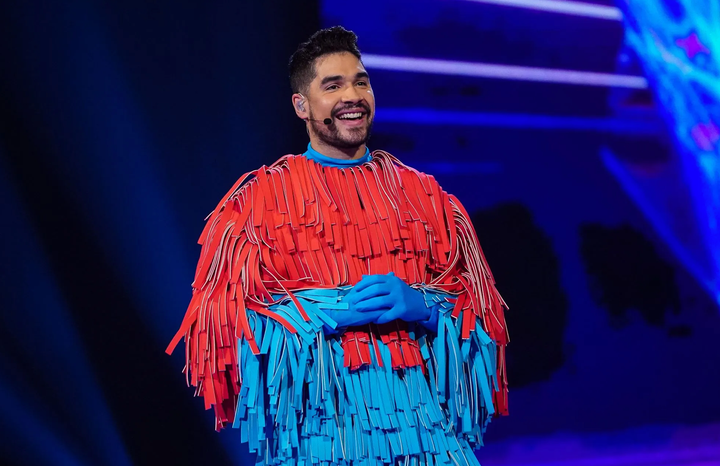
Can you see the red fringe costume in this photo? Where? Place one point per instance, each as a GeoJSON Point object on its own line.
{"type": "Point", "coordinates": [296, 226]}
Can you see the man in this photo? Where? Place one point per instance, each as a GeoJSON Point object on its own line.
{"type": "Point", "coordinates": [343, 312]}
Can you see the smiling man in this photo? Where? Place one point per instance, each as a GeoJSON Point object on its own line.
{"type": "Point", "coordinates": [334, 85]}
{"type": "Point", "coordinates": [343, 312]}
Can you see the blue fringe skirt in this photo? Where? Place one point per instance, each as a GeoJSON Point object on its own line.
{"type": "Point", "coordinates": [300, 406]}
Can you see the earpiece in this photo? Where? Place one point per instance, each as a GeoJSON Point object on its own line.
{"type": "Point", "coordinates": [301, 104]}
{"type": "Point", "coordinates": [301, 107]}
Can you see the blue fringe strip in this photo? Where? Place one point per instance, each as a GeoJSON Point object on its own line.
{"type": "Point", "coordinates": [300, 406]}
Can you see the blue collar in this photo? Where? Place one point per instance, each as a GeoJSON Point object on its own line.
{"type": "Point", "coordinates": [326, 161]}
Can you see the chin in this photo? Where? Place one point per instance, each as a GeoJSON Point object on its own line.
{"type": "Point", "coordinates": [354, 143]}
{"type": "Point", "coordinates": [357, 137]}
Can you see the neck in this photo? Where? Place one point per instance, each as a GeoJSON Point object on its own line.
{"type": "Point", "coordinates": [337, 152]}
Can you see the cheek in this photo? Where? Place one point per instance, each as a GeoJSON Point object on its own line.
{"type": "Point", "coordinates": [370, 97]}
{"type": "Point", "coordinates": [328, 104]}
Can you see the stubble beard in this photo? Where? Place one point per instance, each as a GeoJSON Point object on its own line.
{"type": "Point", "coordinates": [332, 136]}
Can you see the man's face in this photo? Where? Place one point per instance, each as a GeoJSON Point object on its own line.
{"type": "Point", "coordinates": [341, 90]}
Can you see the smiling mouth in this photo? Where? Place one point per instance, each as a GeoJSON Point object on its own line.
{"type": "Point", "coordinates": [351, 116]}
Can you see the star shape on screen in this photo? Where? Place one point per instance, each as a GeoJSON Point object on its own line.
{"type": "Point", "coordinates": [692, 45]}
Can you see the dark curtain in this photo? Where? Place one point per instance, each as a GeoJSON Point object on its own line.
{"type": "Point", "coordinates": [121, 125]}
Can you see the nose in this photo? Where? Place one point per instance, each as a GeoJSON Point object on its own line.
{"type": "Point", "coordinates": [351, 94]}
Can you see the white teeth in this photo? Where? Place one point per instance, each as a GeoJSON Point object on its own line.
{"type": "Point", "coordinates": [350, 115]}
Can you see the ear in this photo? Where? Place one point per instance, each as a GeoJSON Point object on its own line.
{"type": "Point", "coordinates": [300, 106]}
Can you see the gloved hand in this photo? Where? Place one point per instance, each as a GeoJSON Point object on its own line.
{"type": "Point", "coordinates": [352, 317]}
{"type": "Point", "coordinates": [386, 298]}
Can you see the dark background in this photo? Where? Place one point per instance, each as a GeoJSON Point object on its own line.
{"type": "Point", "coordinates": [122, 124]}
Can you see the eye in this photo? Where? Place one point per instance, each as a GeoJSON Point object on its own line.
{"type": "Point", "coordinates": [332, 87]}
{"type": "Point", "coordinates": [362, 83]}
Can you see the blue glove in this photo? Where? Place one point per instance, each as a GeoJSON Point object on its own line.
{"type": "Point", "coordinates": [386, 298]}
{"type": "Point", "coordinates": [352, 317]}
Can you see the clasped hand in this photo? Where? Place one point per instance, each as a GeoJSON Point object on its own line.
{"type": "Point", "coordinates": [380, 299]}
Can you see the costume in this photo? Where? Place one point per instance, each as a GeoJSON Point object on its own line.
{"type": "Point", "coordinates": [279, 253]}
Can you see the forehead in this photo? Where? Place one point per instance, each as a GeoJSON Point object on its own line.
{"type": "Point", "coordinates": [337, 64]}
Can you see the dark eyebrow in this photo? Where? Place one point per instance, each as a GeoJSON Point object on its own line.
{"type": "Point", "coordinates": [329, 79]}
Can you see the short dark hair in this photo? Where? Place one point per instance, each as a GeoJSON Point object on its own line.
{"type": "Point", "coordinates": [336, 39]}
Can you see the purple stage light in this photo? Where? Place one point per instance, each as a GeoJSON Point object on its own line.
{"type": "Point", "coordinates": [497, 71]}
{"type": "Point", "coordinates": [563, 7]}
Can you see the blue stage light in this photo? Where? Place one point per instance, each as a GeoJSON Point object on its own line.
{"type": "Point", "coordinates": [435, 117]}
{"type": "Point", "coordinates": [40, 327]}
{"type": "Point", "coordinates": [678, 42]}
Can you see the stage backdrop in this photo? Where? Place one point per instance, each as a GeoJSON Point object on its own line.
{"type": "Point", "coordinates": [541, 119]}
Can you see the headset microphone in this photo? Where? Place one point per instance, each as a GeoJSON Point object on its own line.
{"type": "Point", "coordinates": [327, 121]}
